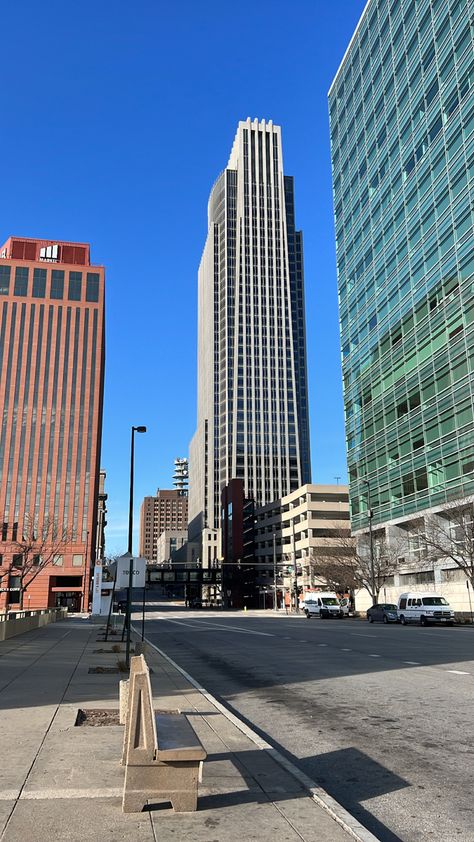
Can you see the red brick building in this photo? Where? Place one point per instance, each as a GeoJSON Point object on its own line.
{"type": "Point", "coordinates": [51, 395]}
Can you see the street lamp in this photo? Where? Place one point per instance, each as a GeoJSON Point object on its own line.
{"type": "Point", "coordinates": [371, 541]}
{"type": "Point", "coordinates": [297, 607]}
{"type": "Point", "coordinates": [275, 606]}
{"type": "Point", "coordinates": [130, 540]}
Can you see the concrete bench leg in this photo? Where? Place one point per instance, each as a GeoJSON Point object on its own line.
{"type": "Point", "coordinates": [174, 781]}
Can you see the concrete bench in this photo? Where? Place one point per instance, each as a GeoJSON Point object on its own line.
{"type": "Point", "coordinates": [162, 754]}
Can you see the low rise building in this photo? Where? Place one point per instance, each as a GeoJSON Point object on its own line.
{"type": "Point", "coordinates": [169, 542]}
{"type": "Point", "coordinates": [293, 530]}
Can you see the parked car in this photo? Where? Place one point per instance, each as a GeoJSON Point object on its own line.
{"type": "Point", "coordinates": [382, 612]}
{"type": "Point", "coordinates": [322, 604]}
{"type": "Point", "coordinates": [195, 602]}
{"type": "Point", "coordinates": [424, 608]}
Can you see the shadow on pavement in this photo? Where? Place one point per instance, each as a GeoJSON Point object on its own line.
{"type": "Point", "coordinates": [352, 777]}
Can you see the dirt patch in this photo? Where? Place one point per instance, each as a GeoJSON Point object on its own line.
{"type": "Point", "coordinates": [103, 670]}
{"type": "Point", "coordinates": [107, 651]}
{"type": "Point", "coordinates": [97, 717]}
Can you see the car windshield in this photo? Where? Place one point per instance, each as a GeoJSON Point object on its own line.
{"type": "Point", "coordinates": [329, 600]}
{"type": "Point", "coordinates": [434, 600]}
{"type": "Point", "coordinates": [390, 607]}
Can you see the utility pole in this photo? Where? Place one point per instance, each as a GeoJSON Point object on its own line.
{"type": "Point", "coordinates": [371, 541]}
{"type": "Point", "coordinates": [275, 606]}
{"type": "Point", "coordinates": [297, 608]}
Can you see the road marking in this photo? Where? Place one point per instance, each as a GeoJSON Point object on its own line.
{"type": "Point", "coordinates": [346, 650]}
{"type": "Point", "coordinates": [412, 663]}
{"type": "Point", "coordinates": [322, 644]}
{"type": "Point", "coordinates": [235, 628]}
{"type": "Point", "coordinates": [178, 622]}
{"type": "Point", "coordinates": [458, 672]}
{"type": "Point", "coordinates": [356, 634]}
{"type": "Point", "coordinates": [375, 656]}
{"type": "Point", "coordinates": [196, 625]}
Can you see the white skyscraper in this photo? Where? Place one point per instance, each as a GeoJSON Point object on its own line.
{"type": "Point", "coordinates": [252, 384]}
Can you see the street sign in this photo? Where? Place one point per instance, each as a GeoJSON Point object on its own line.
{"type": "Point", "coordinates": [123, 571]}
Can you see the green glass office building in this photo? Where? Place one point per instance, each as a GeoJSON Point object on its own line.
{"type": "Point", "coordinates": [402, 134]}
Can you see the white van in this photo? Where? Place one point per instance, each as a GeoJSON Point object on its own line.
{"type": "Point", "coordinates": [345, 605]}
{"type": "Point", "coordinates": [322, 604]}
{"type": "Point", "coordinates": [424, 608]}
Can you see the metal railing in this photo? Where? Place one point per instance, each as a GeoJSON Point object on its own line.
{"type": "Point", "coordinates": [21, 615]}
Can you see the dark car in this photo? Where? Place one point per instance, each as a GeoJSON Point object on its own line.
{"type": "Point", "coordinates": [383, 612]}
{"type": "Point", "coordinates": [195, 602]}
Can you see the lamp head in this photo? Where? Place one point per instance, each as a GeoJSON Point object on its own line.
{"type": "Point", "coordinates": [140, 429]}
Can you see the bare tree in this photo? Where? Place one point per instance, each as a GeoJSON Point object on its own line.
{"type": "Point", "coordinates": [38, 548]}
{"type": "Point", "coordinates": [351, 564]}
{"type": "Point", "coordinates": [450, 535]}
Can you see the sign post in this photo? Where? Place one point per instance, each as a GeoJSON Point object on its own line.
{"type": "Point", "coordinates": [130, 573]}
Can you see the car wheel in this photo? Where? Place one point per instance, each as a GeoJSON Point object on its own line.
{"type": "Point", "coordinates": [423, 621]}
{"type": "Point", "coordinates": [451, 623]}
{"type": "Point", "coordinates": [370, 618]}
{"type": "Point", "coordinates": [308, 615]}
{"type": "Point", "coordinates": [385, 618]}
{"type": "Point", "coordinates": [403, 621]}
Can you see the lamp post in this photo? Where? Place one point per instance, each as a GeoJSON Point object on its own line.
{"type": "Point", "coordinates": [275, 606]}
{"type": "Point", "coordinates": [297, 607]}
{"type": "Point", "coordinates": [371, 541]}
{"type": "Point", "coordinates": [130, 541]}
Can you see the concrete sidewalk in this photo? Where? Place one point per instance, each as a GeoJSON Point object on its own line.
{"type": "Point", "coordinates": [59, 781]}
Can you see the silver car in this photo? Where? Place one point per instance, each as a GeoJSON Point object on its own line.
{"type": "Point", "coordinates": [382, 612]}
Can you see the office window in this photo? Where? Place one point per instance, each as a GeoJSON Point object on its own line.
{"type": "Point", "coordinates": [39, 283]}
{"type": "Point", "coordinates": [77, 560]}
{"type": "Point", "coordinates": [5, 280]}
{"type": "Point", "coordinates": [57, 284]}
{"type": "Point", "coordinates": [92, 287]}
{"type": "Point", "coordinates": [21, 280]}
{"type": "Point", "coordinates": [75, 286]}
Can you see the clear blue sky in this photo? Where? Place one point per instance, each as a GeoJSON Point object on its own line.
{"type": "Point", "coordinates": [116, 119]}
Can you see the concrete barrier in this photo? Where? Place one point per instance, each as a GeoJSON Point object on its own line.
{"type": "Point", "coordinates": [18, 622]}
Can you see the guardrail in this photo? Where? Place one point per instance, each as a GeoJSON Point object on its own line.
{"type": "Point", "coordinates": [18, 622]}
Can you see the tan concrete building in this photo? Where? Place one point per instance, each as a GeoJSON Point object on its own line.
{"type": "Point", "coordinates": [169, 542]}
{"type": "Point", "coordinates": [167, 511]}
{"type": "Point", "coordinates": [304, 522]}
{"type": "Point", "coordinates": [101, 516]}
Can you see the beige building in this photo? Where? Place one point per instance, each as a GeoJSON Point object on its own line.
{"type": "Point", "coordinates": [101, 516]}
{"type": "Point", "coordinates": [169, 542]}
{"type": "Point", "coordinates": [298, 526]}
{"type": "Point", "coordinates": [167, 511]}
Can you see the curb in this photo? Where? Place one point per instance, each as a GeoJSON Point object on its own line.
{"type": "Point", "coordinates": [354, 828]}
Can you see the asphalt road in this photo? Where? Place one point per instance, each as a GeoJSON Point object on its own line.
{"type": "Point", "coordinates": [380, 716]}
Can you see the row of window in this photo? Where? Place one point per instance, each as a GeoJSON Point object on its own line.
{"type": "Point", "coordinates": [18, 560]}
{"type": "Point", "coordinates": [21, 284]}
